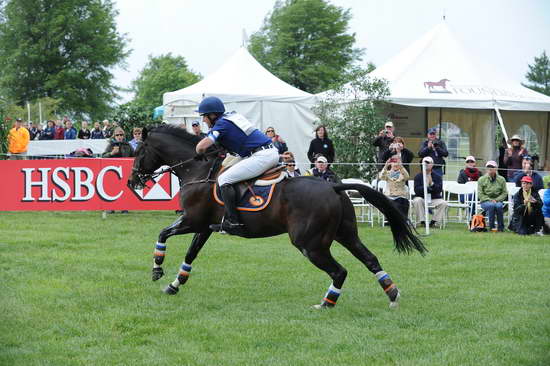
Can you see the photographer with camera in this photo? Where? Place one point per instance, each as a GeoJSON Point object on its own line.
{"type": "Point", "coordinates": [436, 149]}
{"type": "Point", "coordinates": [118, 147]}
{"type": "Point", "coordinates": [397, 149]}
{"type": "Point", "coordinates": [383, 142]}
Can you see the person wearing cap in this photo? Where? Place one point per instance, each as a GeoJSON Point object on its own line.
{"type": "Point", "coordinates": [527, 171]}
{"type": "Point", "coordinates": [196, 126]}
{"type": "Point", "coordinates": [397, 149]}
{"type": "Point", "coordinates": [434, 183]}
{"type": "Point", "coordinates": [527, 218]}
{"type": "Point", "coordinates": [383, 141]}
{"type": "Point", "coordinates": [470, 173]}
{"type": "Point", "coordinates": [434, 148]}
{"type": "Point", "coordinates": [321, 145]}
{"type": "Point", "coordinates": [322, 170]}
{"type": "Point", "coordinates": [18, 141]}
{"type": "Point", "coordinates": [492, 192]}
{"type": "Point", "coordinates": [513, 157]}
{"type": "Point", "coordinates": [238, 136]}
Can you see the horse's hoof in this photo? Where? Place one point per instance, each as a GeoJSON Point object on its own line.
{"type": "Point", "coordinates": [171, 290]}
{"type": "Point", "coordinates": [157, 273]}
{"type": "Point", "coordinates": [322, 306]}
{"type": "Point", "coordinates": [395, 304]}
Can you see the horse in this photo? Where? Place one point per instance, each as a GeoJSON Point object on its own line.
{"type": "Point", "coordinates": [431, 84]}
{"type": "Point", "coordinates": [312, 211]}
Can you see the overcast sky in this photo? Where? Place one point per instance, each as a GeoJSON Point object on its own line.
{"type": "Point", "coordinates": [507, 33]}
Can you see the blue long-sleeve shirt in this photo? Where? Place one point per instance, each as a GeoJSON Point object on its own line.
{"type": "Point", "coordinates": [70, 133]}
{"type": "Point", "coordinates": [546, 203]}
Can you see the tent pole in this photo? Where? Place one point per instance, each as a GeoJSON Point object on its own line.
{"type": "Point", "coordinates": [426, 119]}
{"type": "Point", "coordinates": [547, 150]}
{"type": "Point", "coordinates": [440, 118]}
{"type": "Point", "coordinates": [502, 128]}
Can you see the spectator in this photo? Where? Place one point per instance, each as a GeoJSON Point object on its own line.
{"type": "Point", "coordinates": [84, 133]}
{"type": "Point", "coordinates": [434, 185]}
{"type": "Point", "coordinates": [97, 133]}
{"type": "Point", "coordinates": [291, 169]}
{"type": "Point", "coordinates": [107, 130]}
{"type": "Point", "coordinates": [321, 144]}
{"type": "Point", "coordinates": [277, 141]}
{"type": "Point", "coordinates": [546, 208]}
{"type": "Point", "coordinates": [436, 149]}
{"type": "Point", "coordinates": [49, 131]}
{"type": "Point", "coordinates": [383, 141]}
{"type": "Point", "coordinates": [397, 148]}
{"type": "Point", "coordinates": [70, 131]}
{"type": "Point", "coordinates": [513, 157]}
{"type": "Point", "coordinates": [287, 155]}
{"type": "Point", "coordinates": [470, 173]}
{"type": "Point", "coordinates": [492, 194]}
{"type": "Point", "coordinates": [527, 218]}
{"type": "Point", "coordinates": [501, 151]}
{"type": "Point", "coordinates": [322, 170]}
{"type": "Point", "coordinates": [59, 133]}
{"type": "Point", "coordinates": [196, 126]}
{"type": "Point", "coordinates": [137, 138]}
{"type": "Point", "coordinates": [527, 170]}
{"type": "Point", "coordinates": [18, 141]}
{"type": "Point", "coordinates": [33, 131]}
{"type": "Point", "coordinates": [118, 147]}
{"type": "Point", "coordinates": [39, 131]}
{"type": "Point", "coordinates": [396, 177]}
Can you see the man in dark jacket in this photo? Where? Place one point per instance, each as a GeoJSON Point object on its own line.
{"type": "Point", "coordinates": [436, 149]}
{"type": "Point", "coordinates": [383, 142]}
{"type": "Point", "coordinates": [434, 188]}
{"type": "Point", "coordinates": [322, 170]}
{"type": "Point", "coordinates": [118, 147]}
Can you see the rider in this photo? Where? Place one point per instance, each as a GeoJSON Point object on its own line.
{"type": "Point", "coordinates": [237, 135]}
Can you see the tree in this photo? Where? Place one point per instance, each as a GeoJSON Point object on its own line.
{"type": "Point", "coordinates": [539, 75]}
{"type": "Point", "coordinates": [61, 49]}
{"type": "Point", "coordinates": [306, 44]}
{"type": "Point", "coordinates": [353, 115]}
{"type": "Point", "coordinates": [162, 74]}
{"type": "Point", "coordinates": [129, 115]}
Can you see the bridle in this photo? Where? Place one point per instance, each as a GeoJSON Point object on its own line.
{"type": "Point", "coordinates": [143, 178]}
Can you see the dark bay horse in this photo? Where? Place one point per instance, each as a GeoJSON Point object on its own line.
{"type": "Point", "coordinates": [312, 211]}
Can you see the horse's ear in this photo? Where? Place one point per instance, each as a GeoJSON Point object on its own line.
{"type": "Point", "coordinates": [144, 132]}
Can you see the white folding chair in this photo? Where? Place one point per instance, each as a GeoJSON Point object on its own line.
{"type": "Point", "coordinates": [512, 190]}
{"type": "Point", "coordinates": [365, 209]}
{"type": "Point", "coordinates": [467, 191]}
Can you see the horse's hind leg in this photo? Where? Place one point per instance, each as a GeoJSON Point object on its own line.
{"type": "Point", "coordinates": [177, 228]}
{"type": "Point", "coordinates": [352, 243]}
{"type": "Point", "coordinates": [198, 242]}
{"type": "Point", "coordinates": [323, 260]}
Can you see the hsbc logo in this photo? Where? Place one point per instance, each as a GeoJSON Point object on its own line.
{"type": "Point", "coordinates": [165, 187]}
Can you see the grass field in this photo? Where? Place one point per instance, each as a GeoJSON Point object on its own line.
{"type": "Point", "coordinates": [76, 290]}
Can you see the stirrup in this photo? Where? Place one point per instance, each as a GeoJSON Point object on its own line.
{"type": "Point", "coordinates": [227, 227]}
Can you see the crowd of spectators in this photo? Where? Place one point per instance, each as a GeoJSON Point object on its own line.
{"type": "Point", "coordinates": [531, 213]}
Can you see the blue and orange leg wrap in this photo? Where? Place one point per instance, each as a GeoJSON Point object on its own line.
{"type": "Point", "coordinates": [183, 276]}
{"type": "Point", "coordinates": [331, 297]}
{"type": "Point", "coordinates": [387, 285]}
{"type": "Point", "coordinates": [158, 258]}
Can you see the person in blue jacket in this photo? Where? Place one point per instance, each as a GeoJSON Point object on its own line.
{"type": "Point", "coordinates": [70, 131]}
{"type": "Point", "coordinates": [48, 132]}
{"type": "Point", "coordinates": [238, 136]}
{"type": "Point", "coordinates": [546, 209]}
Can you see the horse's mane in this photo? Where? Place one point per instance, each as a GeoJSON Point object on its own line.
{"type": "Point", "coordinates": [175, 131]}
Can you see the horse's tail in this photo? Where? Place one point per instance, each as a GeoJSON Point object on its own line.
{"type": "Point", "coordinates": [404, 235]}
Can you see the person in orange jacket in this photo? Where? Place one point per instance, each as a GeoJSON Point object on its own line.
{"type": "Point", "coordinates": [18, 140]}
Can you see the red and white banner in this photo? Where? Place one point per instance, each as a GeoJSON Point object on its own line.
{"type": "Point", "coordinates": [81, 184]}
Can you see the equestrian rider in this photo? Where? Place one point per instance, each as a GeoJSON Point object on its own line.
{"type": "Point", "coordinates": [238, 136]}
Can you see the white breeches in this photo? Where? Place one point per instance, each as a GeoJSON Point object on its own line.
{"type": "Point", "coordinates": [250, 167]}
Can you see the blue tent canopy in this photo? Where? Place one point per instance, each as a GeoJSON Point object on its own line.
{"type": "Point", "coordinates": [158, 111]}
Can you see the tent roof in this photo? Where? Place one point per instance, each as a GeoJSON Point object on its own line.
{"type": "Point", "coordinates": [436, 71]}
{"type": "Point", "coordinates": [241, 77]}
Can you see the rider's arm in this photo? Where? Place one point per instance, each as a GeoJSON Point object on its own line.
{"type": "Point", "coordinates": [204, 144]}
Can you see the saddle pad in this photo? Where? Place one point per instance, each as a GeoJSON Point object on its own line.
{"type": "Point", "coordinates": [248, 202]}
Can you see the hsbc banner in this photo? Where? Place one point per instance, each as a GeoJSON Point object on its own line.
{"type": "Point", "coordinates": [81, 184]}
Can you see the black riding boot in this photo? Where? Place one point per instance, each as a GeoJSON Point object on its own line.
{"type": "Point", "coordinates": [230, 223]}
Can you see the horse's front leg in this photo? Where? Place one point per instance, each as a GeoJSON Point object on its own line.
{"type": "Point", "coordinates": [177, 228]}
{"type": "Point", "coordinates": [198, 242]}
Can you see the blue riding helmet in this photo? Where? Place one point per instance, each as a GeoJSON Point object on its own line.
{"type": "Point", "coordinates": [211, 105]}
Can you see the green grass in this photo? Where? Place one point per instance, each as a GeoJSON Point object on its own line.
{"type": "Point", "coordinates": [76, 290]}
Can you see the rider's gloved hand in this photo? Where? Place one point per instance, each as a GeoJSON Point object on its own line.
{"type": "Point", "coordinates": [200, 157]}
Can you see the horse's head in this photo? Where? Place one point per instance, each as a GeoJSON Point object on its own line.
{"type": "Point", "coordinates": [164, 145]}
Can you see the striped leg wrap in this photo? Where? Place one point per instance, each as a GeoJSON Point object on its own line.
{"type": "Point", "coordinates": [387, 285]}
{"type": "Point", "coordinates": [158, 254]}
{"type": "Point", "coordinates": [183, 275]}
{"type": "Point", "coordinates": [331, 296]}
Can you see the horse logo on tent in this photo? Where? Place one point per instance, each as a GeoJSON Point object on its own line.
{"type": "Point", "coordinates": [437, 86]}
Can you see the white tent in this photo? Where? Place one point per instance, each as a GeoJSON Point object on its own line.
{"type": "Point", "coordinates": [436, 80]}
{"type": "Point", "coordinates": [248, 88]}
